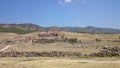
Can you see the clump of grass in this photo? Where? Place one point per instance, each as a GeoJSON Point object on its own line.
{"type": "Point", "coordinates": [29, 59]}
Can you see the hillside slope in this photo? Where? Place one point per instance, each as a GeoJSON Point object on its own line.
{"type": "Point", "coordinates": [33, 27]}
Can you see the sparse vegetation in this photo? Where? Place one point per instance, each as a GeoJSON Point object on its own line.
{"type": "Point", "coordinates": [119, 37]}
{"type": "Point", "coordinates": [97, 39]}
{"type": "Point", "coordinates": [72, 40]}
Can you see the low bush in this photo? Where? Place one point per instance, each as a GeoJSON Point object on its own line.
{"type": "Point", "coordinates": [72, 40]}
{"type": "Point", "coordinates": [97, 39]}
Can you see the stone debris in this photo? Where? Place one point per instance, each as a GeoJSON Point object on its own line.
{"type": "Point", "coordinates": [39, 54]}
{"type": "Point", "coordinates": [7, 42]}
{"type": "Point", "coordinates": [107, 51]}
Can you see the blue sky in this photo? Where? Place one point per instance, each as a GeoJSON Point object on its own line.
{"type": "Point", "coordinates": [80, 13]}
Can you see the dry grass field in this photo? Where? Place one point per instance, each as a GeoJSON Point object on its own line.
{"type": "Point", "coordinates": [88, 45]}
{"type": "Point", "coordinates": [54, 63]}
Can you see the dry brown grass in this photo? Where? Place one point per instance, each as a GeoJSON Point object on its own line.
{"type": "Point", "coordinates": [84, 36]}
{"type": "Point", "coordinates": [49, 63]}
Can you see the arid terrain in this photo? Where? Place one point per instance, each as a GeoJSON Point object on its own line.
{"type": "Point", "coordinates": [59, 33]}
{"type": "Point", "coordinates": [46, 41]}
{"type": "Point", "coordinates": [57, 50]}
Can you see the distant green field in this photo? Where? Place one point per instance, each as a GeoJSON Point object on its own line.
{"type": "Point", "coordinates": [15, 30]}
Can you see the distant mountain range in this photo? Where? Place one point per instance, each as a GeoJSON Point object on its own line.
{"type": "Point", "coordinates": [34, 27]}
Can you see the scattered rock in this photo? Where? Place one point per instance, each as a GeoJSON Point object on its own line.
{"type": "Point", "coordinates": [39, 54]}
{"type": "Point", "coordinates": [107, 51]}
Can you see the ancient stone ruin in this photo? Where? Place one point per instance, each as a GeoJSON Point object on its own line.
{"type": "Point", "coordinates": [43, 37]}
{"type": "Point", "coordinates": [107, 51]}
{"type": "Point", "coordinates": [38, 54]}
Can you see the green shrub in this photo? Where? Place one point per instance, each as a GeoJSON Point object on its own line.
{"type": "Point", "coordinates": [97, 39]}
{"type": "Point", "coordinates": [72, 40]}
{"type": "Point", "coordinates": [119, 37]}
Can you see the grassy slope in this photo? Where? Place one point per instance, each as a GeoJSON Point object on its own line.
{"type": "Point", "coordinates": [15, 30]}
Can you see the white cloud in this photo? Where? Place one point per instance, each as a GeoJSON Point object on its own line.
{"type": "Point", "coordinates": [63, 2]}
{"type": "Point", "coordinates": [67, 1]}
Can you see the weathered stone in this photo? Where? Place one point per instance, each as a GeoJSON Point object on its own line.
{"type": "Point", "coordinates": [39, 54]}
{"type": "Point", "coordinates": [107, 51]}
{"type": "Point", "coordinates": [42, 37]}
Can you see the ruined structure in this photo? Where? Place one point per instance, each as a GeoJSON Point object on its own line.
{"type": "Point", "coordinates": [38, 54]}
{"type": "Point", "coordinates": [107, 51]}
{"type": "Point", "coordinates": [43, 37]}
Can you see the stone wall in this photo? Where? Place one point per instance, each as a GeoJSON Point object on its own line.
{"type": "Point", "coordinates": [38, 54]}
{"type": "Point", "coordinates": [107, 51]}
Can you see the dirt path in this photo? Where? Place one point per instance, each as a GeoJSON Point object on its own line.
{"type": "Point", "coordinates": [5, 48]}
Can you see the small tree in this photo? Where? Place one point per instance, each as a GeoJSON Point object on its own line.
{"type": "Point", "coordinates": [72, 40]}
{"type": "Point", "coordinates": [97, 39]}
{"type": "Point", "coordinates": [119, 37]}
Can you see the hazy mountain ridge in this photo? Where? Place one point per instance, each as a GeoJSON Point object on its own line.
{"type": "Point", "coordinates": [89, 29]}
{"type": "Point", "coordinates": [26, 26]}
